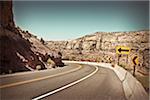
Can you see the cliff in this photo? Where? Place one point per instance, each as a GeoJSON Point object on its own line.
{"type": "Point", "coordinates": [20, 50]}
{"type": "Point", "coordinates": [101, 47]}
{"type": "Point", "coordinates": [6, 14]}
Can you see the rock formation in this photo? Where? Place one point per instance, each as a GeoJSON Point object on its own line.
{"type": "Point", "coordinates": [15, 51]}
{"type": "Point", "coordinates": [19, 50]}
{"type": "Point", "coordinates": [6, 14]}
{"type": "Point", "coordinates": [101, 47]}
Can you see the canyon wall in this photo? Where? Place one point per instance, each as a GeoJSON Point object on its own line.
{"type": "Point", "coordinates": [101, 47]}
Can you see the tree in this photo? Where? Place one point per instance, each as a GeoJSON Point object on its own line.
{"type": "Point", "coordinates": [42, 41]}
{"type": "Point", "coordinates": [59, 53]}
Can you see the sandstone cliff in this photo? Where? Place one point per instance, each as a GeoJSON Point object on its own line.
{"type": "Point", "coordinates": [100, 47]}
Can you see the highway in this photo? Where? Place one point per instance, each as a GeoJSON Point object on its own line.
{"type": "Point", "coordinates": [72, 82]}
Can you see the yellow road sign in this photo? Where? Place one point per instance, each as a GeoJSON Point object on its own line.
{"type": "Point", "coordinates": [122, 50]}
{"type": "Point", "coordinates": [135, 60]}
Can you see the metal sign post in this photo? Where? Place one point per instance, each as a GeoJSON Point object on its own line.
{"type": "Point", "coordinates": [135, 62]}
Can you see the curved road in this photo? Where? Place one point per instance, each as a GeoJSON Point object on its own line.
{"type": "Point", "coordinates": [72, 82]}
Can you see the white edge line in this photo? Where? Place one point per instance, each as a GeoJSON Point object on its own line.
{"type": "Point", "coordinates": [66, 86]}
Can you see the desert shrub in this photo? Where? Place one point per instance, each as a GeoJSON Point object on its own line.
{"type": "Point", "coordinates": [42, 41]}
{"type": "Point", "coordinates": [123, 66]}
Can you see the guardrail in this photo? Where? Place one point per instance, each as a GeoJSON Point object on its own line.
{"type": "Point", "coordinates": [132, 87]}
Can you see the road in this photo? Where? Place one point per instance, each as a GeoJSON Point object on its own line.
{"type": "Point", "coordinates": [72, 82]}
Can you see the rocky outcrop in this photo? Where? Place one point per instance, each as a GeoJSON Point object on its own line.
{"type": "Point", "coordinates": [6, 14]}
{"type": "Point", "coordinates": [16, 53]}
{"type": "Point", "coordinates": [101, 47]}
{"type": "Point", "coordinates": [20, 50]}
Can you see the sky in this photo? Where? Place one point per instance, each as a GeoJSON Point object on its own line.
{"type": "Point", "coordinates": [65, 20]}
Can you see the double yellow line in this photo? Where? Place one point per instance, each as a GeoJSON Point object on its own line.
{"type": "Point", "coordinates": [38, 79]}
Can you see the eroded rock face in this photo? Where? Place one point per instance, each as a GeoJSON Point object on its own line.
{"type": "Point", "coordinates": [6, 14]}
{"type": "Point", "coordinates": [19, 50]}
{"type": "Point", "coordinates": [101, 47]}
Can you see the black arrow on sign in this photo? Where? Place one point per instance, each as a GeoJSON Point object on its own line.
{"type": "Point", "coordinates": [134, 65]}
{"type": "Point", "coordinates": [134, 60]}
{"type": "Point", "coordinates": [120, 50]}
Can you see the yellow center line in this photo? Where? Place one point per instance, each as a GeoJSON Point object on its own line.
{"type": "Point", "coordinates": [38, 79]}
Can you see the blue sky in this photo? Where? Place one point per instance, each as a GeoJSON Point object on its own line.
{"type": "Point", "coordinates": [69, 20]}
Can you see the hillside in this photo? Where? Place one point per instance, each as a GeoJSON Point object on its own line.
{"type": "Point", "coordinates": [20, 50]}
{"type": "Point", "coordinates": [100, 47]}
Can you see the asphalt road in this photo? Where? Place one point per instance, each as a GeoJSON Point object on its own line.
{"type": "Point", "coordinates": [72, 82]}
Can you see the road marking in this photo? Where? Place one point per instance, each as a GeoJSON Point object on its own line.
{"type": "Point", "coordinates": [38, 79]}
{"type": "Point", "coordinates": [66, 86]}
